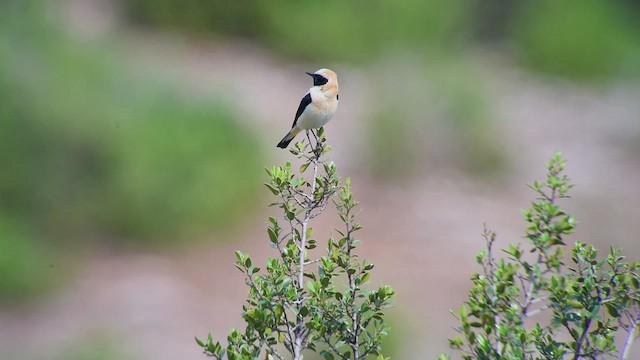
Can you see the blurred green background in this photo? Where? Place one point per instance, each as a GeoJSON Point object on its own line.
{"type": "Point", "coordinates": [93, 152]}
{"type": "Point", "coordinates": [105, 152]}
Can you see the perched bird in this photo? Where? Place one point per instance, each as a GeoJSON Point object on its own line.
{"type": "Point", "coordinates": [317, 106]}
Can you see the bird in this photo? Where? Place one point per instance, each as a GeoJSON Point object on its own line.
{"type": "Point", "coordinates": [317, 107]}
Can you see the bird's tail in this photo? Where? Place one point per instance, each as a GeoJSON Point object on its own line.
{"type": "Point", "coordinates": [286, 140]}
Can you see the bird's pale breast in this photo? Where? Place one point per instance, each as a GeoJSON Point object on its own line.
{"type": "Point", "coordinates": [318, 112]}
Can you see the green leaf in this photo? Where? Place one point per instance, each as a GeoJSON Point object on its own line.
{"type": "Point", "coordinates": [240, 256]}
{"type": "Point", "coordinates": [272, 188]}
{"type": "Point", "coordinates": [272, 235]}
{"type": "Point", "coordinates": [342, 241]}
{"type": "Point", "coordinates": [573, 317]}
{"type": "Point", "coordinates": [327, 356]}
{"type": "Point", "coordinates": [311, 244]}
{"type": "Point", "coordinates": [304, 167]}
{"type": "Point", "coordinates": [199, 342]}
{"type": "Point", "coordinates": [365, 278]}
{"type": "Point", "coordinates": [311, 287]}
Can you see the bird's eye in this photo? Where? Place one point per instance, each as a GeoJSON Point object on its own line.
{"type": "Point", "coordinates": [337, 97]}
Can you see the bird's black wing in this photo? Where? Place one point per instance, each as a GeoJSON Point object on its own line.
{"type": "Point", "coordinates": [306, 100]}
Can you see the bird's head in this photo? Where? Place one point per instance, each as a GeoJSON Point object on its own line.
{"type": "Point", "coordinates": [326, 79]}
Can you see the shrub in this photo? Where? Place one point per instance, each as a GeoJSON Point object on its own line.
{"type": "Point", "coordinates": [589, 299]}
{"type": "Point", "coordinates": [439, 115]}
{"type": "Point", "coordinates": [89, 147]}
{"type": "Point", "coordinates": [357, 30]}
{"type": "Point", "coordinates": [292, 307]}
{"type": "Point", "coordinates": [25, 263]}
{"type": "Point", "coordinates": [90, 151]}
{"type": "Point", "coordinates": [579, 40]}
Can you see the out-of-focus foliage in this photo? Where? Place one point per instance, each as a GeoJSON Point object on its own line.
{"type": "Point", "coordinates": [94, 347]}
{"type": "Point", "coordinates": [583, 40]}
{"type": "Point", "coordinates": [363, 30]}
{"type": "Point", "coordinates": [90, 150]}
{"type": "Point", "coordinates": [440, 113]}
{"type": "Point", "coordinates": [326, 30]}
{"type": "Point", "coordinates": [433, 116]}
{"type": "Point", "coordinates": [25, 262]}
{"type": "Point", "coordinates": [587, 39]}
{"type": "Point", "coordinates": [237, 17]}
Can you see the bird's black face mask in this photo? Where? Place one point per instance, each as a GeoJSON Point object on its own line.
{"type": "Point", "coordinates": [318, 80]}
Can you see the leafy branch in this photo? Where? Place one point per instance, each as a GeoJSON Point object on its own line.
{"type": "Point", "coordinates": [306, 303]}
{"type": "Point", "coordinates": [589, 300]}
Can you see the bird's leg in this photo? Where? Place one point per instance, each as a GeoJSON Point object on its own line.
{"type": "Point", "coordinates": [308, 137]}
{"type": "Point", "coordinates": [313, 147]}
{"type": "Point", "coordinates": [315, 136]}
{"type": "Point", "coordinates": [317, 148]}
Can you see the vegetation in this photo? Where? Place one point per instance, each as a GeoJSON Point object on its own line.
{"type": "Point", "coordinates": [91, 152]}
{"type": "Point", "coordinates": [436, 116]}
{"type": "Point", "coordinates": [590, 40]}
{"type": "Point", "coordinates": [94, 153]}
{"type": "Point", "coordinates": [293, 307]}
{"type": "Point", "coordinates": [589, 300]}
{"type": "Point", "coordinates": [358, 30]}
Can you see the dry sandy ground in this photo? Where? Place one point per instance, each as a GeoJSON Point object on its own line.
{"type": "Point", "coordinates": [421, 235]}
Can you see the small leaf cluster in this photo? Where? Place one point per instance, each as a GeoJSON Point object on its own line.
{"type": "Point", "coordinates": [302, 302]}
{"type": "Point", "coordinates": [588, 300]}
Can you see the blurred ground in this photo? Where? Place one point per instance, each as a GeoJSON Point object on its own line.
{"type": "Point", "coordinates": [422, 234]}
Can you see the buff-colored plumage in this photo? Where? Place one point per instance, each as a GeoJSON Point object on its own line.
{"type": "Point", "coordinates": [317, 107]}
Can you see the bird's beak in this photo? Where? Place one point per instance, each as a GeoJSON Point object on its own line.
{"type": "Point", "coordinates": [310, 74]}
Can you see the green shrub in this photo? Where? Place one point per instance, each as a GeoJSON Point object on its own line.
{"type": "Point", "coordinates": [591, 302]}
{"type": "Point", "coordinates": [305, 302]}
{"type": "Point", "coordinates": [25, 264]}
{"type": "Point", "coordinates": [433, 115]}
{"type": "Point", "coordinates": [328, 30]}
{"type": "Point", "coordinates": [363, 30]}
{"type": "Point", "coordinates": [93, 346]}
{"type": "Point", "coordinates": [178, 170]}
{"type": "Point", "coordinates": [90, 150]}
{"type": "Point", "coordinates": [239, 17]}
{"type": "Point", "coordinates": [582, 40]}
{"type": "Point", "coordinates": [90, 147]}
